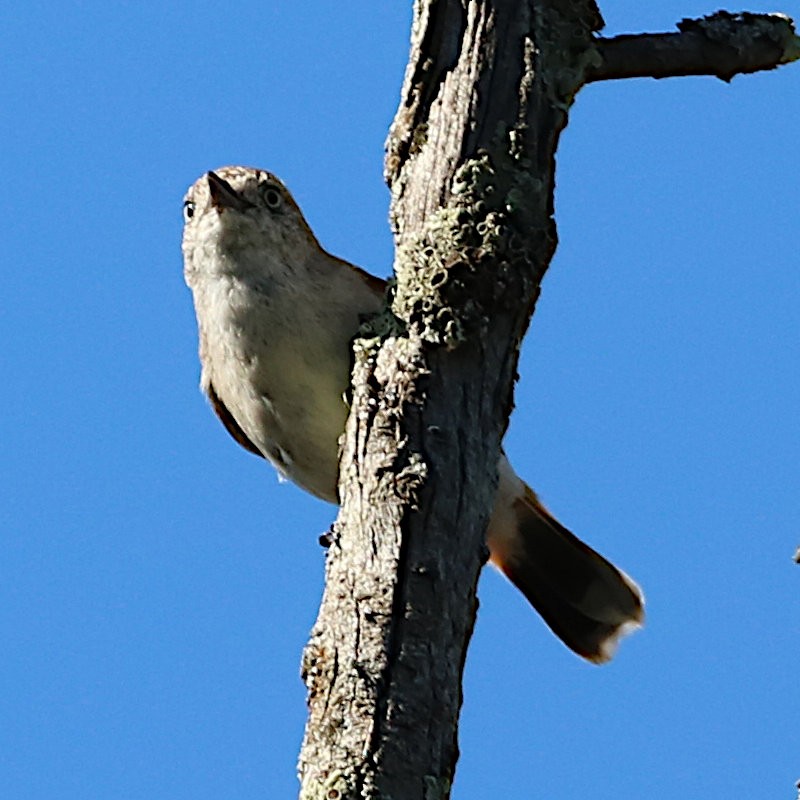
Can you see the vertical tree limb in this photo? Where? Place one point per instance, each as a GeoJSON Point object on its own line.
{"type": "Point", "coordinates": [470, 162]}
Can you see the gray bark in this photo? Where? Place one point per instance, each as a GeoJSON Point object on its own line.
{"type": "Point", "coordinates": [720, 44]}
{"type": "Point", "coordinates": [470, 162]}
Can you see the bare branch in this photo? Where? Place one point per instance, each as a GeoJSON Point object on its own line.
{"type": "Point", "coordinates": [470, 161]}
{"type": "Point", "coordinates": [722, 44]}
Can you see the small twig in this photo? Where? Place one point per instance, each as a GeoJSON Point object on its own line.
{"type": "Point", "coordinates": [722, 44]}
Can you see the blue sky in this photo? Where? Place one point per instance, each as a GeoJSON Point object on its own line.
{"type": "Point", "coordinates": [157, 583]}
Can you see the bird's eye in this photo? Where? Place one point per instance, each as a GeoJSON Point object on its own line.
{"type": "Point", "coordinates": [272, 197]}
{"type": "Point", "coordinates": [188, 210]}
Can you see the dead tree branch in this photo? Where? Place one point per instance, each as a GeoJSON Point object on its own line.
{"type": "Point", "coordinates": [721, 44]}
{"type": "Point", "coordinates": [470, 163]}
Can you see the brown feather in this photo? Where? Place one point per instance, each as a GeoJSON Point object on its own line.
{"type": "Point", "coordinates": [231, 425]}
{"type": "Point", "coordinates": [586, 601]}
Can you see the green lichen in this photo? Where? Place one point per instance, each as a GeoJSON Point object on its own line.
{"type": "Point", "coordinates": [378, 327]}
{"type": "Point", "coordinates": [566, 49]}
{"type": "Point", "coordinates": [458, 272]}
{"type": "Point", "coordinates": [335, 787]}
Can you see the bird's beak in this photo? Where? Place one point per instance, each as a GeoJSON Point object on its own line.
{"type": "Point", "coordinates": [223, 195]}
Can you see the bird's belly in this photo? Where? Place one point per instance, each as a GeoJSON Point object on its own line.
{"type": "Point", "coordinates": [300, 435]}
{"type": "Point", "coordinates": [294, 415]}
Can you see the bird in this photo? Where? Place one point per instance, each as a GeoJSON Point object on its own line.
{"type": "Point", "coordinates": [276, 315]}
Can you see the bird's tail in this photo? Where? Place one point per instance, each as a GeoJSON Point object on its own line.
{"type": "Point", "coordinates": [587, 602]}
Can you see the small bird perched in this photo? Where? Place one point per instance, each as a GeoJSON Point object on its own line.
{"type": "Point", "coordinates": [276, 315]}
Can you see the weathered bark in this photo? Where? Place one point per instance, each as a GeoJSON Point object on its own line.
{"type": "Point", "coordinates": [470, 161]}
{"type": "Point", "coordinates": [720, 44]}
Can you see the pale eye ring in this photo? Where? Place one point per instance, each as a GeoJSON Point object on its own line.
{"type": "Point", "coordinates": [272, 197]}
{"type": "Point", "coordinates": [188, 210]}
